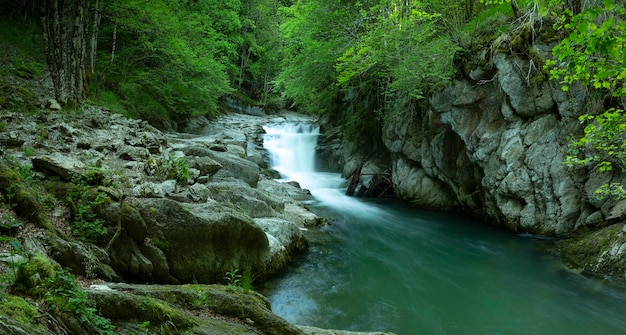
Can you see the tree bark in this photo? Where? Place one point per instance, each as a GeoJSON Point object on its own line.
{"type": "Point", "coordinates": [69, 34]}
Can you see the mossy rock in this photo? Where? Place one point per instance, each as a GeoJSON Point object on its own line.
{"type": "Point", "coordinates": [601, 252]}
{"type": "Point", "coordinates": [250, 309]}
{"type": "Point", "coordinates": [35, 277]}
{"type": "Point", "coordinates": [26, 203]}
{"type": "Point", "coordinates": [19, 309]}
{"type": "Point", "coordinates": [125, 306]}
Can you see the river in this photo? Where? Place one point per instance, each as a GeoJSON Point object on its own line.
{"type": "Point", "coordinates": [383, 266]}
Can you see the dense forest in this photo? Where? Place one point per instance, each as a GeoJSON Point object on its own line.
{"type": "Point", "coordinates": [366, 67]}
{"type": "Point", "coordinates": [358, 61]}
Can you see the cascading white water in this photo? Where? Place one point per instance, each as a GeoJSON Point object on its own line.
{"type": "Point", "coordinates": [292, 154]}
{"type": "Point", "coordinates": [292, 150]}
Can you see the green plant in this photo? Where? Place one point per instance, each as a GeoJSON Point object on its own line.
{"type": "Point", "coordinates": [233, 278]}
{"type": "Point", "coordinates": [15, 249]}
{"type": "Point", "coordinates": [28, 151]}
{"type": "Point", "coordinates": [25, 173]}
{"type": "Point", "coordinates": [180, 170]}
{"type": "Point", "coordinates": [246, 281]}
{"type": "Point", "coordinates": [58, 294]}
{"type": "Point", "coordinates": [168, 326]}
{"type": "Point", "coordinates": [69, 298]}
{"type": "Point", "coordinates": [84, 202]}
{"type": "Point", "coordinates": [2, 124]}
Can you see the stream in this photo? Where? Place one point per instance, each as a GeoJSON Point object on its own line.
{"type": "Point", "coordinates": [382, 266]}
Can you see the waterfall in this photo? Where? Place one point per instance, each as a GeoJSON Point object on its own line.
{"type": "Point", "coordinates": [291, 146]}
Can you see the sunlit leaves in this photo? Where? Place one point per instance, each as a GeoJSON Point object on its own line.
{"type": "Point", "coordinates": [603, 145]}
{"type": "Point", "coordinates": [593, 53]}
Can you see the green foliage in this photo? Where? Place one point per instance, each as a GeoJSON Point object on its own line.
{"type": "Point", "coordinates": [2, 124]}
{"type": "Point", "coordinates": [603, 146]}
{"type": "Point", "coordinates": [68, 297]}
{"type": "Point", "coordinates": [593, 52]}
{"type": "Point", "coordinates": [60, 295]}
{"type": "Point", "coordinates": [180, 170]}
{"type": "Point", "coordinates": [29, 70]}
{"type": "Point", "coordinates": [233, 278]}
{"type": "Point", "coordinates": [9, 224]}
{"type": "Point", "coordinates": [28, 151]}
{"type": "Point", "coordinates": [171, 57]}
{"type": "Point", "coordinates": [83, 202]}
{"type": "Point", "coordinates": [366, 58]}
{"type": "Point", "coordinates": [18, 309]}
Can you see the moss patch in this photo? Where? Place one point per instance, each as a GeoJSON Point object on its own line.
{"type": "Point", "coordinates": [597, 252]}
{"type": "Point", "coordinates": [19, 309]}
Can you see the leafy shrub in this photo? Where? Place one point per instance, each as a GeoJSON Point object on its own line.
{"type": "Point", "coordinates": [83, 203]}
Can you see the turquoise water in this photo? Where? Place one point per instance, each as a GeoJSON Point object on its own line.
{"type": "Point", "coordinates": [383, 266]}
{"type": "Point", "coordinates": [415, 272]}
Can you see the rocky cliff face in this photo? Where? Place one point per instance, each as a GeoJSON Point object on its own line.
{"type": "Point", "coordinates": [494, 144]}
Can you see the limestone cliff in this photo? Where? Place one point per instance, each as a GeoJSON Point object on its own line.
{"type": "Point", "coordinates": [493, 144]}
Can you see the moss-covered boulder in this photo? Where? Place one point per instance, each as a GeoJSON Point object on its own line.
{"type": "Point", "coordinates": [211, 309]}
{"type": "Point", "coordinates": [204, 241]}
{"type": "Point", "coordinates": [25, 201]}
{"type": "Point", "coordinates": [601, 252]}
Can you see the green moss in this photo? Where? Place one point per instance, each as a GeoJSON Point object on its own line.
{"type": "Point", "coordinates": [586, 251]}
{"type": "Point", "coordinates": [165, 315]}
{"type": "Point", "coordinates": [20, 310]}
{"type": "Point", "coordinates": [35, 277]}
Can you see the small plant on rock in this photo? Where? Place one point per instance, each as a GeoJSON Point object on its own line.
{"type": "Point", "coordinates": [233, 278]}
{"type": "Point", "coordinates": [180, 170]}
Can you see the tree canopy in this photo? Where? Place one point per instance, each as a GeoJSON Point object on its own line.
{"type": "Point", "coordinates": [358, 61]}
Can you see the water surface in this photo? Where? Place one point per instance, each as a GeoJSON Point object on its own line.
{"type": "Point", "coordinates": [383, 266]}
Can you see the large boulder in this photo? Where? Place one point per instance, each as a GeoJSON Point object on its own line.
{"type": "Point", "coordinates": [203, 241]}
{"type": "Point", "coordinates": [207, 309]}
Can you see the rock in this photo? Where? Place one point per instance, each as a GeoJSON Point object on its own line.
{"type": "Point", "coordinates": [198, 192]}
{"type": "Point", "coordinates": [128, 260]}
{"type": "Point", "coordinates": [235, 166]}
{"type": "Point", "coordinates": [206, 165]}
{"type": "Point", "coordinates": [526, 98]}
{"type": "Point", "coordinates": [155, 190]}
{"type": "Point", "coordinates": [496, 150]}
{"type": "Point", "coordinates": [10, 326]}
{"type": "Point", "coordinates": [602, 251]}
{"type": "Point", "coordinates": [82, 258]}
{"type": "Point", "coordinates": [204, 241]}
{"type": "Point", "coordinates": [54, 105]}
{"type": "Point", "coordinates": [220, 309]}
{"type": "Point", "coordinates": [286, 233]}
{"type": "Point", "coordinates": [318, 331]}
{"type": "Point", "coordinates": [57, 164]}
{"type": "Point", "coordinates": [132, 222]}
{"type": "Point", "coordinates": [302, 217]}
{"type": "Point", "coordinates": [618, 212]}
{"type": "Point", "coordinates": [132, 153]}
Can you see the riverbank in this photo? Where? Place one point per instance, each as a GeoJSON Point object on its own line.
{"type": "Point", "coordinates": [90, 197]}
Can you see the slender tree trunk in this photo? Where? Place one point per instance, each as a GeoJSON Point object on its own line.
{"type": "Point", "coordinates": [69, 34]}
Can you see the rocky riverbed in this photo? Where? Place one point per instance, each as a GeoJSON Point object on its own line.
{"type": "Point", "coordinates": [119, 202]}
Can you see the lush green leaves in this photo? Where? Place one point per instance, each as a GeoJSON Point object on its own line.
{"type": "Point", "coordinates": [593, 54]}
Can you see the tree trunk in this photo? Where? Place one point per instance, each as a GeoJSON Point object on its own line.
{"type": "Point", "coordinates": [69, 32]}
